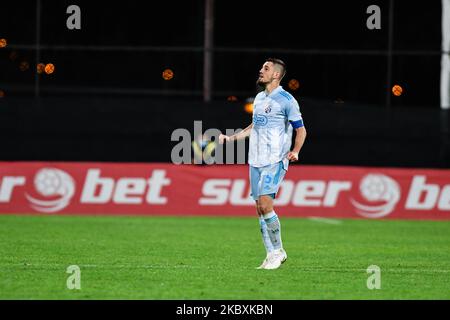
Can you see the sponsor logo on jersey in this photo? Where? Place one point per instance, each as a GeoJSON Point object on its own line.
{"type": "Point", "coordinates": [260, 120]}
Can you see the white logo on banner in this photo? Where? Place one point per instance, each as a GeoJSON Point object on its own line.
{"type": "Point", "coordinates": [51, 182]}
{"type": "Point", "coordinates": [376, 188]}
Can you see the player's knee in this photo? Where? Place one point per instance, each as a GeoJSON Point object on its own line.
{"type": "Point", "coordinates": [264, 208]}
{"type": "Point", "coordinates": [257, 208]}
{"type": "Point", "coordinates": [265, 205]}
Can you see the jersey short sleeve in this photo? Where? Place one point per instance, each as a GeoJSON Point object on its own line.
{"type": "Point", "coordinates": [293, 114]}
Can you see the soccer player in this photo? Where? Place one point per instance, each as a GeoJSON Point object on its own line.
{"type": "Point", "coordinates": [275, 115]}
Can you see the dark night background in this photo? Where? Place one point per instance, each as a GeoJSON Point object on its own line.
{"type": "Point", "coordinates": [107, 100]}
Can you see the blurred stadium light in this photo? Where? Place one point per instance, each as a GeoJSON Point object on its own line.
{"type": "Point", "coordinates": [214, 52]}
{"type": "Point", "coordinates": [221, 45]}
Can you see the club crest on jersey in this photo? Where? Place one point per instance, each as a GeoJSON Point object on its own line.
{"type": "Point", "coordinates": [268, 109]}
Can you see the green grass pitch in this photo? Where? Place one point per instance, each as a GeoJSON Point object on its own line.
{"type": "Point", "coordinates": [185, 257]}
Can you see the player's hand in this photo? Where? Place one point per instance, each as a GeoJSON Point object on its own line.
{"type": "Point", "coordinates": [223, 138]}
{"type": "Point", "coordinates": [292, 156]}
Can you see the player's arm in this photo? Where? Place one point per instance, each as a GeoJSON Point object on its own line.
{"type": "Point", "coordinates": [300, 136]}
{"type": "Point", "coordinates": [295, 119]}
{"type": "Point", "coordinates": [238, 136]}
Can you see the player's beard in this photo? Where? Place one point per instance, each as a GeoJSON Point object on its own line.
{"type": "Point", "coordinates": [260, 85]}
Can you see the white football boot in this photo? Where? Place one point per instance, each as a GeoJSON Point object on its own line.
{"type": "Point", "coordinates": [284, 255]}
{"type": "Point", "coordinates": [275, 259]}
{"type": "Point", "coordinates": [264, 263]}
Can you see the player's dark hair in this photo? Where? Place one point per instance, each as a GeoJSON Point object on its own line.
{"type": "Point", "coordinates": [280, 63]}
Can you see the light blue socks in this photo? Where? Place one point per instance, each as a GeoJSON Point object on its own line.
{"type": "Point", "coordinates": [265, 235]}
{"type": "Point", "coordinates": [273, 229]}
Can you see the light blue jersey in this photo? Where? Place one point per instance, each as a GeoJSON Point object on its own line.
{"type": "Point", "coordinates": [271, 135]}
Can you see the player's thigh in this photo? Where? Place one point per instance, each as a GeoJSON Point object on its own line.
{"type": "Point", "coordinates": [255, 176]}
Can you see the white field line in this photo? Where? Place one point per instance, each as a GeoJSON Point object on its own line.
{"type": "Point", "coordinates": [210, 267]}
{"type": "Point", "coordinates": [387, 270]}
{"type": "Point", "coordinates": [107, 266]}
{"type": "Point", "coordinates": [325, 220]}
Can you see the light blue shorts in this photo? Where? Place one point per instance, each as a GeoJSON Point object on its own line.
{"type": "Point", "coordinates": [266, 180]}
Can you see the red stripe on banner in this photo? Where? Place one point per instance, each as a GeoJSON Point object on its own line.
{"type": "Point", "coordinates": [168, 189]}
